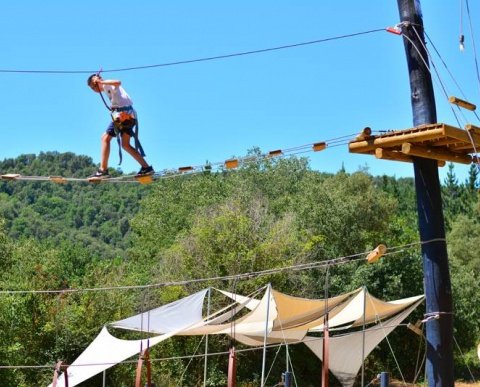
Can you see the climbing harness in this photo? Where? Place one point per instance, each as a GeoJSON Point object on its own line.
{"type": "Point", "coordinates": [124, 118]}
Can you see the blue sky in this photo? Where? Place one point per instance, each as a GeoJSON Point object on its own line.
{"type": "Point", "coordinates": [214, 110]}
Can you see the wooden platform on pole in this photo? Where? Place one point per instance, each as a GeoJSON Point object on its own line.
{"type": "Point", "coordinates": [440, 142]}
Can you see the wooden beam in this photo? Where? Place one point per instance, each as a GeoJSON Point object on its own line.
{"type": "Point", "coordinates": [461, 148]}
{"type": "Point", "coordinates": [58, 179]}
{"type": "Point", "coordinates": [462, 135]}
{"type": "Point", "coordinates": [397, 139]}
{"type": "Point", "coordinates": [416, 327]}
{"type": "Point", "coordinates": [95, 180]}
{"type": "Point", "coordinates": [377, 253]}
{"type": "Point", "coordinates": [435, 153]}
{"type": "Point", "coordinates": [275, 153]}
{"type": "Point", "coordinates": [319, 146]}
{"type": "Point", "coordinates": [385, 154]}
{"type": "Point", "coordinates": [10, 176]}
{"type": "Point", "coordinates": [444, 142]}
{"type": "Point", "coordinates": [472, 128]}
{"type": "Point", "coordinates": [460, 102]}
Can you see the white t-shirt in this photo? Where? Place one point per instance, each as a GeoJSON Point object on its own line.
{"type": "Point", "coordinates": [117, 96]}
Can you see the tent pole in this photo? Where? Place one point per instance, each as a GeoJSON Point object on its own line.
{"type": "Point", "coordinates": [206, 342]}
{"type": "Point", "coordinates": [326, 337]}
{"type": "Point", "coordinates": [288, 358]}
{"type": "Point", "coordinates": [232, 368]}
{"type": "Point", "coordinates": [104, 378]}
{"type": "Point", "coordinates": [265, 337]}
{"type": "Point", "coordinates": [363, 333]}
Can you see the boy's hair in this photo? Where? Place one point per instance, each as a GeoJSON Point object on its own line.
{"type": "Point", "coordinates": [89, 80]}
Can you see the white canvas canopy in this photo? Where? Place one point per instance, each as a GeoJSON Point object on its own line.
{"type": "Point", "coordinates": [167, 318]}
{"type": "Point", "coordinates": [106, 351]}
{"type": "Point", "coordinates": [275, 318]}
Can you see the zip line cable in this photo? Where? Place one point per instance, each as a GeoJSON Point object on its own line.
{"type": "Point", "coordinates": [205, 59]}
{"type": "Point", "coordinates": [242, 276]}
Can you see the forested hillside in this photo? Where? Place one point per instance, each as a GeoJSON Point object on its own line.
{"type": "Point", "coordinates": [88, 215]}
{"type": "Point", "coordinates": [272, 214]}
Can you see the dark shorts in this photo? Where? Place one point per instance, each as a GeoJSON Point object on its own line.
{"type": "Point", "coordinates": [112, 130]}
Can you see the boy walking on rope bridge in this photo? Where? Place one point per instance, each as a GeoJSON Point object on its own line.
{"type": "Point", "coordinates": [124, 125]}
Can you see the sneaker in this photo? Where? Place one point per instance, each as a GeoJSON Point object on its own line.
{"type": "Point", "coordinates": [100, 174]}
{"type": "Point", "coordinates": [146, 171]}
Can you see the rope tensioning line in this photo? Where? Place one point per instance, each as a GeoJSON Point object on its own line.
{"type": "Point", "coordinates": [204, 59]}
{"type": "Point", "coordinates": [242, 276]}
{"type": "Point", "coordinates": [232, 163]}
{"type": "Point", "coordinates": [151, 359]}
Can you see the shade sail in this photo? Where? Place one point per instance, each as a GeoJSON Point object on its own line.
{"type": "Point", "coordinates": [167, 318]}
{"type": "Point", "coordinates": [351, 314]}
{"type": "Point", "coordinates": [104, 352]}
{"type": "Point", "coordinates": [345, 351]}
{"type": "Point", "coordinates": [275, 318]}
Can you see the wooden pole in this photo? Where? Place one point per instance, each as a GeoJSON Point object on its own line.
{"type": "Point", "coordinates": [232, 368]}
{"type": "Point", "coordinates": [438, 295]}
